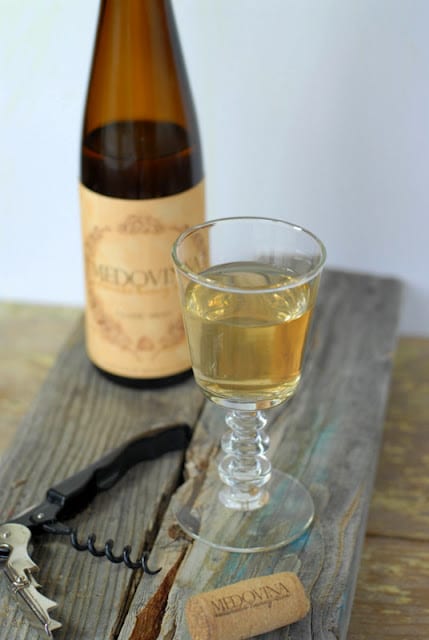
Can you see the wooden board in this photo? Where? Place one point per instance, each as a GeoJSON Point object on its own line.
{"type": "Point", "coordinates": [393, 588]}
{"type": "Point", "coordinates": [392, 594]}
{"type": "Point", "coordinates": [29, 342]}
{"type": "Point", "coordinates": [402, 480]}
{"type": "Point", "coordinates": [329, 435]}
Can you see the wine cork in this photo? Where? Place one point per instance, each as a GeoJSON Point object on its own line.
{"type": "Point", "coordinates": [247, 608]}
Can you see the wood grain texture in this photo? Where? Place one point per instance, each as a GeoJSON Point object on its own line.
{"type": "Point", "coordinates": [30, 337]}
{"type": "Point", "coordinates": [392, 595]}
{"type": "Point", "coordinates": [400, 505]}
{"type": "Point", "coordinates": [392, 600]}
{"type": "Point", "coordinates": [329, 435]}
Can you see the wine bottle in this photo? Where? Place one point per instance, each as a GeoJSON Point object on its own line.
{"type": "Point", "coordinates": [142, 183]}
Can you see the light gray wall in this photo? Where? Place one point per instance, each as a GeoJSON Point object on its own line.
{"type": "Point", "coordinates": [315, 111]}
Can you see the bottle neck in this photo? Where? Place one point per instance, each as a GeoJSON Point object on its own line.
{"type": "Point", "coordinates": [138, 71]}
{"type": "Point", "coordinates": [130, 21]}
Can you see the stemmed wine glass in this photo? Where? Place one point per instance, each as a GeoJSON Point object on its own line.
{"type": "Point", "coordinates": [248, 288]}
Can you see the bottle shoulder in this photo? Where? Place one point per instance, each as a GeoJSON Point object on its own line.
{"type": "Point", "coordinates": [141, 159]}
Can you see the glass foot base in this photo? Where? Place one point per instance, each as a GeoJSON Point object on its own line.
{"type": "Point", "coordinates": [285, 517]}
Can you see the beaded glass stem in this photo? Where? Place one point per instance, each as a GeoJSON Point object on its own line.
{"type": "Point", "coordinates": [245, 469]}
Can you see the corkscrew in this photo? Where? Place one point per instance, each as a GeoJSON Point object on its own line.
{"type": "Point", "coordinates": [65, 500]}
{"type": "Point", "coordinates": [106, 551]}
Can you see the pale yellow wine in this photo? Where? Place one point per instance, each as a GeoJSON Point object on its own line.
{"type": "Point", "coordinates": [248, 346]}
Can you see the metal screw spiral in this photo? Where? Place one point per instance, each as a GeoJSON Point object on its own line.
{"type": "Point", "coordinates": [106, 551]}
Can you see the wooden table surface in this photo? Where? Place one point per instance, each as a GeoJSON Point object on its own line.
{"type": "Point", "coordinates": [392, 595]}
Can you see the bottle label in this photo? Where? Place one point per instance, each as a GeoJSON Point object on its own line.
{"type": "Point", "coordinates": [133, 319]}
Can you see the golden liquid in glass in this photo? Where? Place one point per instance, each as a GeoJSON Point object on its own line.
{"type": "Point", "coordinates": [248, 347]}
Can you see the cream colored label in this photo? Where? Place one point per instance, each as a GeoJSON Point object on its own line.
{"type": "Point", "coordinates": [133, 319]}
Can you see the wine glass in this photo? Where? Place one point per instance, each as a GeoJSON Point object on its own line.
{"type": "Point", "coordinates": [248, 288]}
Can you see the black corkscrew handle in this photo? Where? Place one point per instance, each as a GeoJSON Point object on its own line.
{"type": "Point", "coordinates": [75, 493]}
{"type": "Point", "coordinates": [72, 495]}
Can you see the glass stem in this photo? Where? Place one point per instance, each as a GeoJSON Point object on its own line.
{"type": "Point", "coordinates": [228, 436]}
{"type": "Point", "coordinates": [245, 469]}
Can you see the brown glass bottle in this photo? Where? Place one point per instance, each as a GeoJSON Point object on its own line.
{"type": "Point", "coordinates": [141, 184]}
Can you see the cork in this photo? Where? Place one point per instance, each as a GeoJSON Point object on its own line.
{"type": "Point", "coordinates": [247, 608]}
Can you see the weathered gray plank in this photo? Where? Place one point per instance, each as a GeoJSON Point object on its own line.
{"type": "Point", "coordinates": [329, 435]}
{"type": "Point", "coordinates": [78, 416]}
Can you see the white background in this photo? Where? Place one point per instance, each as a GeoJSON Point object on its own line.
{"type": "Point", "coordinates": [316, 111]}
